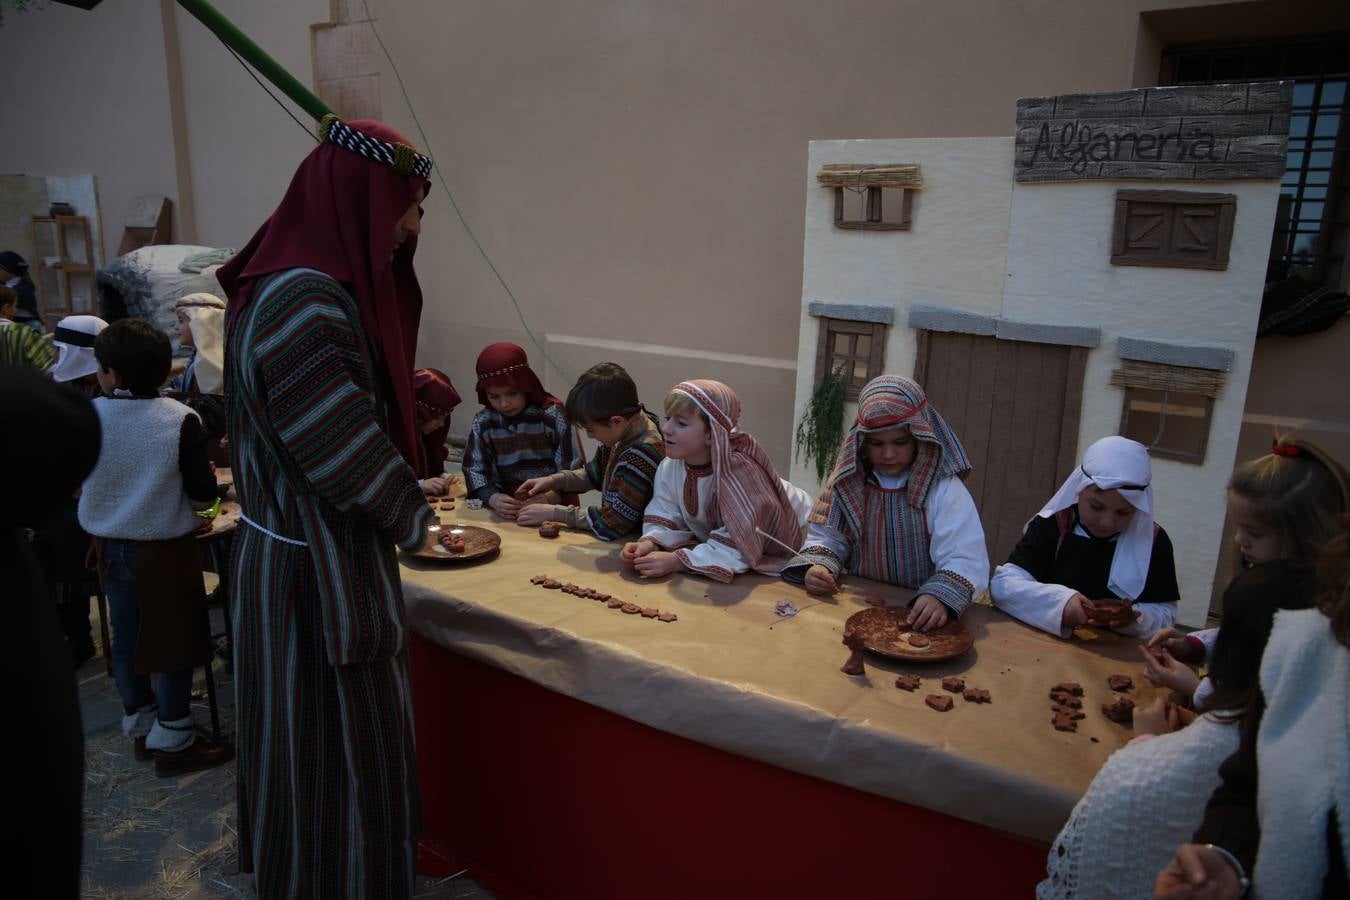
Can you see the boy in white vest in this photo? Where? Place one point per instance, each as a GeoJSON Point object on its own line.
{"type": "Point", "coordinates": [142, 502]}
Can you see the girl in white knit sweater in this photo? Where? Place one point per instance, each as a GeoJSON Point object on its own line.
{"type": "Point", "coordinates": [1150, 794]}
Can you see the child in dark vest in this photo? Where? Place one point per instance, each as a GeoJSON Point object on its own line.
{"type": "Point", "coordinates": [1094, 544]}
{"type": "Point", "coordinates": [142, 501]}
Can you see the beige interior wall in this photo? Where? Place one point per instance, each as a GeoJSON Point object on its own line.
{"type": "Point", "coordinates": [634, 166]}
{"type": "Point", "coordinates": [86, 94]}
{"type": "Point", "coordinates": [242, 148]}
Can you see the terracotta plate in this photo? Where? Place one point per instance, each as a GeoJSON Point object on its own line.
{"type": "Point", "coordinates": [478, 543]}
{"type": "Point", "coordinates": [884, 632]}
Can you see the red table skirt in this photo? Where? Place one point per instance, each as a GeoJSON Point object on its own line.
{"type": "Point", "coordinates": [539, 794]}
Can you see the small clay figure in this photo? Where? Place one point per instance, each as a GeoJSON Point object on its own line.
{"type": "Point", "coordinates": [614, 603]}
{"type": "Point", "coordinates": [1121, 711]}
{"type": "Point", "coordinates": [977, 695]}
{"type": "Point", "coordinates": [954, 683]}
{"type": "Point", "coordinates": [940, 702]}
{"type": "Point", "coordinates": [548, 530]}
{"type": "Point", "coordinates": [650, 612]}
{"type": "Point", "coordinates": [854, 664]}
{"type": "Point", "coordinates": [917, 641]}
{"type": "Point", "coordinates": [631, 608]}
{"type": "Point", "coordinates": [667, 616]}
{"type": "Point", "coordinates": [1063, 723]}
{"type": "Point", "coordinates": [539, 579]}
{"type": "Point", "coordinates": [1120, 682]}
{"type": "Point", "coordinates": [553, 584]}
{"type": "Point", "coordinates": [908, 682]}
{"type": "Point", "coordinates": [1065, 699]}
{"type": "Point", "coordinates": [1069, 687]}
{"type": "Point", "coordinates": [1069, 711]}
{"type": "Point", "coordinates": [453, 543]}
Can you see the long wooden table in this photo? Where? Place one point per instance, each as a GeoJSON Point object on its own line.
{"type": "Point", "coordinates": [568, 749]}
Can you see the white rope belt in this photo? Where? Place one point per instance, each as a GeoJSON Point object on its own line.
{"type": "Point", "coordinates": [272, 534]}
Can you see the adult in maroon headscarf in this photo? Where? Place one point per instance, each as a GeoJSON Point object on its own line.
{"type": "Point", "coordinates": [322, 324]}
{"type": "Point", "coordinates": [436, 399]}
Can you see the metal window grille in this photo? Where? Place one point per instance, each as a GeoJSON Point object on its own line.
{"type": "Point", "coordinates": [1313, 221]}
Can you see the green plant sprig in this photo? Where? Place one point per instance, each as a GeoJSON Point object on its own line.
{"type": "Point", "coordinates": [820, 433]}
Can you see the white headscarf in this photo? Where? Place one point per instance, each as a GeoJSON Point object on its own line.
{"type": "Point", "coordinates": [74, 343]}
{"type": "Point", "coordinates": [206, 319]}
{"type": "Point", "coordinates": [1117, 464]}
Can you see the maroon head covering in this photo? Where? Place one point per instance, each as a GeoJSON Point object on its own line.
{"type": "Point", "coordinates": [505, 365]}
{"type": "Point", "coordinates": [436, 398]}
{"type": "Point", "coordinates": [339, 217]}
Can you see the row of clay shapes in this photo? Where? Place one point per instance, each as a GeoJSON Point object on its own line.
{"type": "Point", "coordinates": [954, 684]}
{"type": "Point", "coordinates": [647, 612]}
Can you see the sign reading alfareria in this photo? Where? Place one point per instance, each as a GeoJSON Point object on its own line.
{"type": "Point", "coordinates": [1208, 132]}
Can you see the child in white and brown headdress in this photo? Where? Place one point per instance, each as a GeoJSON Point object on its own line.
{"type": "Point", "coordinates": [716, 494]}
{"type": "Point", "coordinates": [201, 326]}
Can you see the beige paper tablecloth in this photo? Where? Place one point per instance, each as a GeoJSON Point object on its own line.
{"type": "Point", "coordinates": [733, 675]}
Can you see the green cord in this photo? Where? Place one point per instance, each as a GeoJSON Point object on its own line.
{"type": "Point", "coordinates": [440, 176]}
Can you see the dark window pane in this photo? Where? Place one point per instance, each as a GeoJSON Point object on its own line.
{"type": "Point", "coordinates": [1327, 126]}
{"type": "Point", "coordinates": [1193, 68]}
{"type": "Point", "coordinates": [1228, 67]}
{"type": "Point", "coordinates": [1298, 126]}
{"type": "Point", "coordinates": [1303, 93]}
{"type": "Point", "coordinates": [1321, 159]}
{"type": "Point", "coordinates": [1333, 93]}
{"type": "Point", "coordinates": [1310, 212]}
{"type": "Point", "coordinates": [1294, 160]}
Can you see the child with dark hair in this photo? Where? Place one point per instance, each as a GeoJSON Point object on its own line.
{"type": "Point", "coordinates": [1281, 813]}
{"type": "Point", "coordinates": [436, 399]}
{"type": "Point", "coordinates": [19, 344]}
{"type": "Point", "coordinates": [143, 500]}
{"type": "Point", "coordinates": [519, 434]}
{"type": "Point", "coordinates": [14, 275]}
{"type": "Point", "coordinates": [604, 402]}
{"type": "Point", "coordinates": [1149, 795]}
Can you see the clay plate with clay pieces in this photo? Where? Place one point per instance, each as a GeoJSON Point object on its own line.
{"type": "Point", "coordinates": [479, 543]}
{"type": "Point", "coordinates": [885, 633]}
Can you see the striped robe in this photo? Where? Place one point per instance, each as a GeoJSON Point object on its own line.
{"type": "Point", "coordinates": [500, 454]}
{"type": "Point", "coordinates": [327, 786]}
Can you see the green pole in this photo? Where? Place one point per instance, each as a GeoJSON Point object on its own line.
{"type": "Point", "coordinates": [256, 56]}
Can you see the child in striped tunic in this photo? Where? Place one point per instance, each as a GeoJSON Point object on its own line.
{"type": "Point", "coordinates": [896, 509]}
{"type": "Point", "coordinates": [520, 433]}
{"type": "Point", "coordinates": [604, 402]}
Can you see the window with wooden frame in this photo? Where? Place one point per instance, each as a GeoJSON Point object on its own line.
{"type": "Point", "coordinates": [872, 197]}
{"type": "Point", "coordinates": [1173, 229]}
{"type": "Point", "coordinates": [1168, 408]}
{"type": "Point", "coordinates": [856, 348]}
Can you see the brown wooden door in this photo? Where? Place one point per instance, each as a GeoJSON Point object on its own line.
{"type": "Point", "coordinates": [1015, 406]}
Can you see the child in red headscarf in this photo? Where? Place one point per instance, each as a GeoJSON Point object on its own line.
{"type": "Point", "coordinates": [521, 432]}
{"type": "Point", "coordinates": [436, 398]}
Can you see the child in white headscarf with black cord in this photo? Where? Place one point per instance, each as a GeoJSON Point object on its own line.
{"type": "Point", "coordinates": [1093, 555]}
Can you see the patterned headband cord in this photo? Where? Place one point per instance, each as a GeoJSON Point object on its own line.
{"type": "Point", "coordinates": [400, 157]}
{"type": "Point", "coordinates": [1114, 487]}
{"type": "Point", "coordinates": [1289, 450]}
{"type": "Point", "coordinates": [516, 368]}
